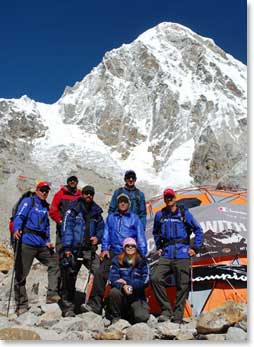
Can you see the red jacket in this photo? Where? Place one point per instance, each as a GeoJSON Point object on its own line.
{"type": "Point", "coordinates": [61, 202]}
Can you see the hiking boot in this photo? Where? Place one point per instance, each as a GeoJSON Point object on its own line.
{"type": "Point", "coordinates": [68, 314]}
{"type": "Point", "coordinates": [20, 310]}
{"type": "Point", "coordinates": [87, 308]}
{"type": "Point", "coordinates": [53, 299]}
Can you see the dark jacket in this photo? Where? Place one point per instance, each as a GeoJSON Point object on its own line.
{"type": "Point", "coordinates": [34, 217]}
{"type": "Point", "coordinates": [169, 228]}
{"type": "Point", "coordinates": [118, 227]}
{"type": "Point", "coordinates": [138, 204]}
{"type": "Point", "coordinates": [79, 224]}
{"type": "Point", "coordinates": [137, 276]}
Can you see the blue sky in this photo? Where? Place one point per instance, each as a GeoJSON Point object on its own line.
{"type": "Point", "coordinates": [47, 45]}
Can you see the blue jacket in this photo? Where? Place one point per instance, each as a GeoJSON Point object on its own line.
{"type": "Point", "coordinates": [169, 227]}
{"type": "Point", "coordinates": [118, 227]}
{"type": "Point", "coordinates": [74, 224]}
{"type": "Point", "coordinates": [137, 276]}
{"type": "Point", "coordinates": [138, 204]}
{"type": "Point", "coordinates": [34, 218]}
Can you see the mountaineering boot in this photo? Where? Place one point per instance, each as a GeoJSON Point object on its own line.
{"type": "Point", "coordinates": [68, 314]}
{"type": "Point", "coordinates": [88, 308]}
{"type": "Point", "coordinates": [21, 310]}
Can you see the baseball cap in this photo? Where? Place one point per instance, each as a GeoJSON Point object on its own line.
{"type": "Point", "coordinates": [43, 185]}
{"type": "Point", "coordinates": [130, 173]}
{"type": "Point", "coordinates": [88, 189]}
{"type": "Point", "coordinates": [169, 191]}
{"type": "Point", "coordinates": [123, 197]}
{"type": "Point", "coordinates": [72, 178]}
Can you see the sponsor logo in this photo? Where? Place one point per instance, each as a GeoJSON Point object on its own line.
{"type": "Point", "coordinates": [223, 277]}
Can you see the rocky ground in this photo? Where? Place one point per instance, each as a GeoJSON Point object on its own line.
{"type": "Point", "coordinates": [45, 322]}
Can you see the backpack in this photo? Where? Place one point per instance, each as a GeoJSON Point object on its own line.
{"type": "Point", "coordinates": [183, 219]}
{"type": "Point", "coordinates": [28, 194]}
{"type": "Point", "coordinates": [137, 197]}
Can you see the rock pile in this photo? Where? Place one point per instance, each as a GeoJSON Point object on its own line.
{"type": "Point", "coordinates": [45, 322]}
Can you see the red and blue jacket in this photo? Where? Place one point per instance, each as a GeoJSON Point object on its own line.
{"type": "Point", "coordinates": [61, 202]}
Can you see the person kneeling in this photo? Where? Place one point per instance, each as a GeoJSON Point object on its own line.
{"type": "Point", "coordinates": [129, 274]}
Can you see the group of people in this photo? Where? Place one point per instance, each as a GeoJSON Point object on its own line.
{"type": "Point", "coordinates": [121, 265]}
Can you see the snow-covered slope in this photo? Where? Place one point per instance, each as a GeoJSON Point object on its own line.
{"type": "Point", "coordinates": [171, 105]}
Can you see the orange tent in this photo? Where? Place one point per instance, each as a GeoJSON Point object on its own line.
{"type": "Point", "coordinates": [219, 273]}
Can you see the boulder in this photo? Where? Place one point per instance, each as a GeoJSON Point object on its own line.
{"type": "Point", "coordinates": [18, 334]}
{"type": "Point", "coordinates": [121, 325]}
{"type": "Point", "coordinates": [140, 332]}
{"type": "Point", "coordinates": [167, 330]}
{"type": "Point", "coordinates": [221, 318]}
{"type": "Point", "coordinates": [236, 334]}
{"type": "Point", "coordinates": [110, 335]}
{"type": "Point", "coordinates": [6, 259]}
{"type": "Point", "coordinates": [48, 319]}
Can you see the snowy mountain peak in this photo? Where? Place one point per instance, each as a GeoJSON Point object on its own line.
{"type": "Point", "coordinates": [171, 104]}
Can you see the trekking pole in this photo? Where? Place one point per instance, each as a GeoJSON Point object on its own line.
{"type": "Point", "coordinates": [191, 275]}
{"type": "Point", "coordinates": [13, 271]}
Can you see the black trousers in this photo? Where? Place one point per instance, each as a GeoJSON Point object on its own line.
{"type": "Point", "coordinates": [122, 306]}
{"type": "Point", "coordinates": [69, 277]}
{"type": "Point", "coordinates": [99, 283]}
{"type": "Point", "coordinates": [180, 269]}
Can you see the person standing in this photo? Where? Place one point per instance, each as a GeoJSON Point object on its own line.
{"type": "Point", "coordinates": [172, 232]}
{"type": "Point", "coordinates": [119, 225]}
{"type": "Point", "coordinates": [128, 277]}
{"type": "Point", "coordinates": [137, 198]}
{"type": "Point", "coordinates": [82, 230]}
{"type": "Point", "coordinates": [31, 230]}
{"type": "Point", "coordinates": [60, 204]}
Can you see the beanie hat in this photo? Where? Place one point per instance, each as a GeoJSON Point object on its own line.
{"type": "Point", "coordinates": [123, 197]}
{"type": "Point", "coordinates": [169, 191]}
{"type": "Point", "coordinates": [72, 178]}
{"type": "Point", "coordinates": [129, 241]}
{"type": "Point", "coordinates": [88, 189]}
{"type": "Point", "coordinates": [43, 185]}
{"type": "Point", "coordinates": [130, 173]}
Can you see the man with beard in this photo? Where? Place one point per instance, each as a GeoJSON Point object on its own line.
{"type": "Point", "coordinates": [82, 230]}
{"type": "Point", "coordinates": [60, 204]}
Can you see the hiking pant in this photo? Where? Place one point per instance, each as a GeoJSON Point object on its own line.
{"type": "Point", "coordinates": [25, 257]}
{"type": "Point", "coordinates": [58, 242]}
{"type": "Point", "coordinates": [122, 306]}
{"type": "Point", "coordinates": [180, 270]}
{"type": "Point", "coordinates": [69, 277]}
{"type": "Point", "coordinates": [99, 283]}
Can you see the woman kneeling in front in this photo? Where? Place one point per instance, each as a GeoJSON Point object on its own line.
{"type": "Point", "coordinates": [129, 274]}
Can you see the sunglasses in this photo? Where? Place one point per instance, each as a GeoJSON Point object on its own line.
{"type": "Point", "coordinates": [169, 197]}
{"type": "Point", "coordinates": [123, 201]}
{"type": "Point", "coordinates": [44, 190]}
{"type": "Point", "coordinates": [131, 177]}
{"type": "Point", "coordinates": [130, 246]}
{"type": "Point", "coordinates": [89, 193]}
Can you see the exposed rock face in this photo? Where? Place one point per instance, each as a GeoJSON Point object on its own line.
{"type": "Point", "coordinates": [172, 104]}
